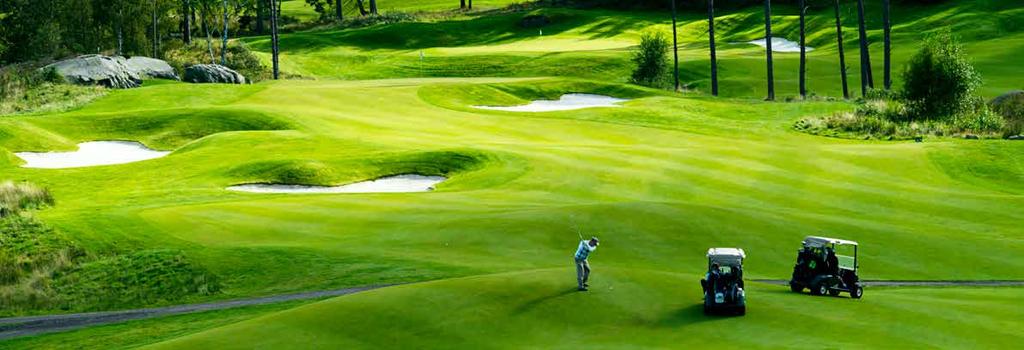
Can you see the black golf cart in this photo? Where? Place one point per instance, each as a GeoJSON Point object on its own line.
{"type": "Point", "coordinates": [723, 288]}
{"type": "Point", "coordinates": [820, 268]}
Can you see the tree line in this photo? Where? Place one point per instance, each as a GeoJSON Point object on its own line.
{"type": "Point", "coordinates": [866, 71]}
{"type": "Point", "coordinates": [48, 29]}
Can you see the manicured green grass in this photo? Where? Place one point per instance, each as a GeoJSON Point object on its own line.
{"type": "Point", "coordinates": [659, 180]}
{"type": "Point", "coordinates": [626, 308]}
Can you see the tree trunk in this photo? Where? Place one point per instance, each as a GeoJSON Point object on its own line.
{"type": "Point", "coordinates": [224, 36]}
{"type": "Point", "coordinates": [205, 14]}
{"type": "Point", "coordinates": [470, 4]}
{"type": "Point", "coordinates": [866, 79]}
{"type": "Point", "coordinates": [462, 4]}
{"type": "Point", "coordinates": [768, 46]}
{"type": "Point", "coordinates": [362, 10]}
{"type": "Point", "coordinates": [842, 55]}
{"type": "Point", "coordinates": [186, 23]}
{"type": "Point", "coordinates": [273, 38]}
{"type": "Point", "coordinates": [373, 6]}
{"type": "Point", "coordinates": [259, 16]}
{"type": "Point", "coordinates": [888, 44]}
{"type": "Point", "coordinates": [803, 50]}
{"type": "Point", "coordinates": [675, 47]}
{"type": "Point", "coordinates": [156, 44]}
{"type": "Point", "coordinates": [714, 54]}
{"type": "Point", "coordinates": [338, 10]}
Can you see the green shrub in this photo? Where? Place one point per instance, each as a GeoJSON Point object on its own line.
{"type": "Point", "coordinates": [651, 60]}
{"type": "Point", "coordinates": [939, 82]}
{"type": "Point", "coordinates": [1011, 107]}
{"type": "Point", "coordinates": [27, 88]}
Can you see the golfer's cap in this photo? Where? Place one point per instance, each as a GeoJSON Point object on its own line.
{"type": "Point", "coordinates": [595, 240]}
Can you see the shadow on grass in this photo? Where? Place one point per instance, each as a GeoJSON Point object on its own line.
{"type": "Point", "coordinates": [530, 305]}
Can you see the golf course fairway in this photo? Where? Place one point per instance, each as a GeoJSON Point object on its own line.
{"type": "Point", "coordinates": [482, 259]}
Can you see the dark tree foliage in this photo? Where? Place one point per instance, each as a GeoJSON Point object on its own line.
{"type": "Point", "coordinates": [651, 60]}
{"type": "Point", "coordinates": [939, 82]}
{"type": "Point", "coordinates": [53, 29]}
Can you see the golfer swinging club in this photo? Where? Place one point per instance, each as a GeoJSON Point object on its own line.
{"type": "Point", "coordinates": [582, 266]}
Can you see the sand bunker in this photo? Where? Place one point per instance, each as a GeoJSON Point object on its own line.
{"type": "Point", "coordinates": [390, 184]}
{"type": "Point", "coordinates": [91, 154]}
{"type": "Point", "coordinates": [780, 45]}
{"type": "Point", "coordinates": [565, 103]}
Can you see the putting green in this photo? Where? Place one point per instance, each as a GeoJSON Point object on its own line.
{"type": "Point", "coordinates": [659, 180]}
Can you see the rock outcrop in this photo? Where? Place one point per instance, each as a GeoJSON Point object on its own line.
{"type": "Point", "coordinates": [109, 71]}
{"type": "Point", "coordinates": [151, 67]}
{"type": "Point", "coordinates": [213, 73]}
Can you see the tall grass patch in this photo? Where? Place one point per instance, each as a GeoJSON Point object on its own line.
{"type": "Point", "coordinates": [15, 197]}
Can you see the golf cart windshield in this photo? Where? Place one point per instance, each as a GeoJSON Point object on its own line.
{"type": "Point", "coordinates": [725, 257]}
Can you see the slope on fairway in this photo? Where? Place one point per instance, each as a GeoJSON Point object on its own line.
{"type": "Point", "coordinates": [595, 44]}
{"type": "Point", "coordinates": [625, 308]}
{"type": "Point", "coordinates": [661, 179]}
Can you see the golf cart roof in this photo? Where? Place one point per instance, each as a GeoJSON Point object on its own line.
{"type": "Point", "coordinates": [815, 241]}
{"type": "Point", "coordinates": [726, 255]}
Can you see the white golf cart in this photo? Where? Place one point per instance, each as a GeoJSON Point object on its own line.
{"type": "Point", "coordinates": [723, 287]}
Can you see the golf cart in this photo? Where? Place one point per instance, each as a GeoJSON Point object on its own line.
{"type": "Point", "coordinates": [820, 268]}
{"type": "Point", "coordinates": [723, 289]}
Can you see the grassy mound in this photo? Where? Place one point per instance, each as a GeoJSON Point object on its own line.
{"type": "Point", "coordinates": [151, 278]}
{"type": "Point", "coordinates": [625, 308]}
{"type": "Point", "coordinates": [442, 163]}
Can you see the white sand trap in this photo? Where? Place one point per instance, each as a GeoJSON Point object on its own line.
{"type": "Point", "coordinates": [565, 103]}
{"type": "Point", "coordinates": [390, 184]}
{"type": "Point", "coordinates": [780, 45]}
{"type": "Point", "coordinates": [91, 154]}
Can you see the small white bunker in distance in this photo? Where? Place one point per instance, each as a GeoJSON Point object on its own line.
{"type": "Point", "coordinates": [780, 45]}
{"type": "Point", "coordinates": [567, 102]}
{"type": "Point", "coordinates": [93, 153]}
{"type": "Point", "coordinates": [391, 184]}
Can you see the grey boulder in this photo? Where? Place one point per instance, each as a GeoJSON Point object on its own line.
{"type": "Point", "coordinates": [151, 67]}
{"type": "Point", "coordinates": [97, 70]}
{"type": "Point", "coordinates": [212, 73]}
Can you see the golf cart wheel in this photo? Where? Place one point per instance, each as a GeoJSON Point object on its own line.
{"type": "Point", "coordinates": [796, 288]}
{"type": "Point", "coordinates": [741, 311]}
{"type": "Point", "coordinates": [833, 292]}
{"type": "Point", "coordinates": [857, 292]}
{"type": "Point", "coordinates": [820, 289]}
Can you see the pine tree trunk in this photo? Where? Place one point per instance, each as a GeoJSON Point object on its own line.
{"type": "Point", "coordinates": [768, 46]}
{"type": "Point", "coordinates": [338, 10]}
{"type": "Point", "coordinates": [274, 38]}
{"type": "Point", "coordinates": [470, 4]}
{"type": "Point", "coordinates": [462, 4]}
{"type": "Point", "coordinates": [865, 54]}
{"type": "Point", "coordinates": [156, 44]}
{"type": "Point", "coordinates": [259, 16]}
{"type": "Point", "coordinates": [675, 47]}
{"type": "Point", "coordinates": [842, 55]}
{"type": "Point", "coordinates": [373, 6]}
{"type": "Point", "coordinates": [888, 44]}
{"type": "Point", "coordinates": [714, 54]}
{"type": "Point", "coordinates": [362, 10]}
{"type": "Point", "coordinates": [186, 26]}
{"type": "Point", "coordinates": [224, 36]}
{"type": "Point", "coordinates": [803, 50]}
